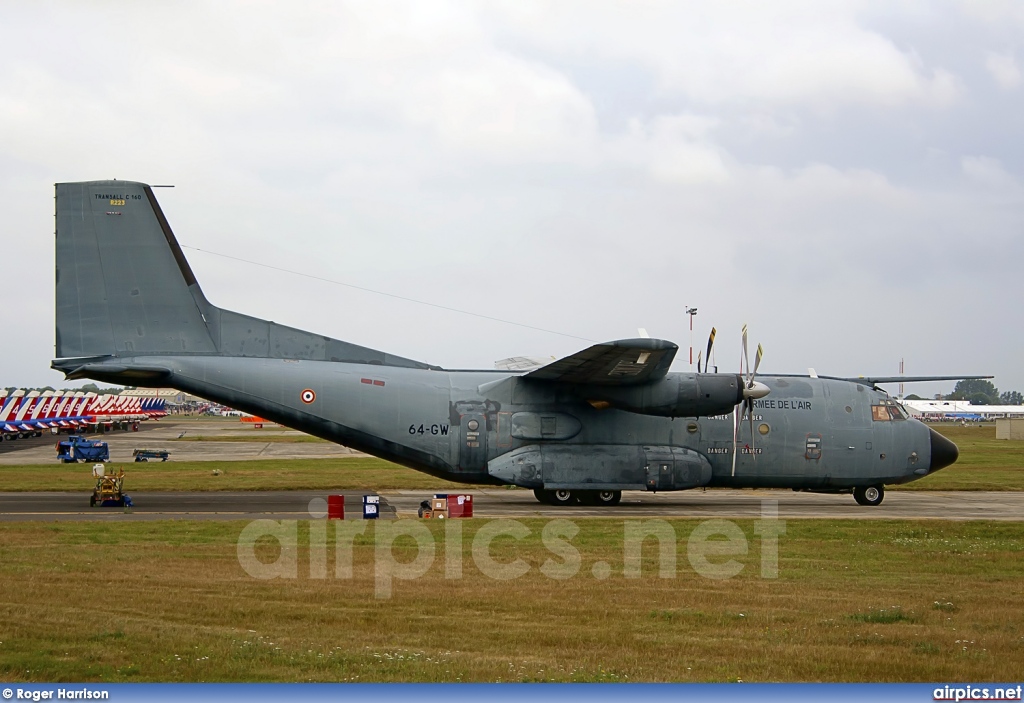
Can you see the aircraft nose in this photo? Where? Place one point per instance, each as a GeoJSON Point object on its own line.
{"type": "Point", "coordinates": [944, 452]}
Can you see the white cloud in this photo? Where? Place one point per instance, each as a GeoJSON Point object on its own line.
{"type": "Point", "coordinates": [673, 149]}
{"type": "Point", "coordinates": [505, 108]}
{"type": "Point", "coordinates": [987, 171]}
{"type": "Point", "coordinates": [1004, 70]}
{"type": "Point", "coordinates": [734, 52]}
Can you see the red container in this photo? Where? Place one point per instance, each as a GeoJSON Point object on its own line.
{"type": "Point", "coordinates": [336, 507]}
{"type": "Point", "coordinates": [460, 505]}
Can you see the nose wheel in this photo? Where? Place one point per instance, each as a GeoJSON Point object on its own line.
{"type": "Point", "coordinates": [868, 495]}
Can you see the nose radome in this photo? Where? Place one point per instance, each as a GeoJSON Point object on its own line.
{"type": "Point", "coordinates": [944, 452]}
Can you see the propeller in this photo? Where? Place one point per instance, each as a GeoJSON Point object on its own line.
{"type": "Point", "coordinates": [707, 359]}
{"type": "Point", "coordinates": [752, 390]}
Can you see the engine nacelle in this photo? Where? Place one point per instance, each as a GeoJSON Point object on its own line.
{"type": "Point", "coordinates": [676, 395]}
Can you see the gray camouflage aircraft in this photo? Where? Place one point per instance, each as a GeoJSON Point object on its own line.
{"type": "Point", "coordinates": [580, 429]}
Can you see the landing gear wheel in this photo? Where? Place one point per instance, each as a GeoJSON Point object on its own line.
{"type": "Point", "coordinates": [563, 497]}
{"type": "Point", "coordinates": [868, 495]}
{"type": "Point", "coordinates": [598, 497]}
{"type": "Point", "coordinates": [559, 497]}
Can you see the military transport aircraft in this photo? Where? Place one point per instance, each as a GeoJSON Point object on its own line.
{"type": "Point", "coordinates": [580, 429]}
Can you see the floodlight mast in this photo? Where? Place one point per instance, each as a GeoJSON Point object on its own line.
{"type": "Point", "coordinates": [692, 312]}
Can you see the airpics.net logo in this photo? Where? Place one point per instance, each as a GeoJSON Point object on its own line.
{"type": "Point", "coordinates": [977, 693]}
{"type": "Point", "coordinates": [713, 548]}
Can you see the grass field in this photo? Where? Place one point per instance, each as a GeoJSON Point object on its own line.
{"type": "Point", "coordinates": [985, 463]}
{"type": "Point", "coordinates": [262, 475]}
{"type": "Point", "coordinates": [854, 601]}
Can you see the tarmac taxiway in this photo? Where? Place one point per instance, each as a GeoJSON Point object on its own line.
{"type": "Point", "coordinates": [508, 503]}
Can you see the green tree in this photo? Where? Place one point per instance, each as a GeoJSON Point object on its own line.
{"type": "Point", "coordinates": [1011, 398]}
{"type": "Point", "coordinates": [977, 390]}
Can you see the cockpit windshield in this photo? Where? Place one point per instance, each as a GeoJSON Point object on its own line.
{"type": "Point", "coordinates": [887, 410]}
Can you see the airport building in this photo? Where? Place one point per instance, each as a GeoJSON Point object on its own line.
{"type": "Point", "coordinates": [939, 410]}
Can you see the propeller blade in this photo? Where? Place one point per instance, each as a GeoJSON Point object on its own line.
{"type": "Point", "coordinates": [698, 360]}
{"type": "Point", "coordinates": [707, 358]}
{"type": "Point", "coordinates": [735, 432]}
{"type": "Point", "coordinates": [746, 357]}
{"type": "Point", "coordinates": [750, 416]}
{"type": "Point", "coordinates": [757, 359]}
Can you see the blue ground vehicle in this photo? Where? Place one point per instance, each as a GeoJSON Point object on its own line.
{"type": "Point", "coordinates": [77, 448]}
{"type": "Point", "coordinates": [147, 454]}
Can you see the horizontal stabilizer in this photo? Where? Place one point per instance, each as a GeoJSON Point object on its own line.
{"type": "Point", "coordinates": [118, 373]}
{"type": "Point", "coordinates": [627, 362]}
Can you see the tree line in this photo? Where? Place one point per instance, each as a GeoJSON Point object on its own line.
{"type": "Point", "coordinates": [981, 392]}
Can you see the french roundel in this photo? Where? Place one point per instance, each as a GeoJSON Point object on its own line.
{"type": "Point", "coordinates": [308, 396]}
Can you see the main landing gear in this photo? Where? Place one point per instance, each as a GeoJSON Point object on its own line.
{"type": "Point", "coordinates": [566, 497]}
{"type": "Point", "coordinates": [869, 495]}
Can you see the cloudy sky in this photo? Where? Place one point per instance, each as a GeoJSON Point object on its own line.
{"type": "Point", "coordinates": [845, 177]}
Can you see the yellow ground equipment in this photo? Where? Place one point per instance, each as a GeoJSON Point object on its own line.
{"type": "Point", "coordinates": [108, 489]}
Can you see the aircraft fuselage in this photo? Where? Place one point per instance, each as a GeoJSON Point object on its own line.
{"type": "Point", "coordinates": [473, 426]}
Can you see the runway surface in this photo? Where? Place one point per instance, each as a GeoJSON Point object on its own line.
{"type": "Point", "coordinates": [495, 503]}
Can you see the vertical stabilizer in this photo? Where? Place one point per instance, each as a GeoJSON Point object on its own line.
{"type": "Point", "coordinates": [122, 282]}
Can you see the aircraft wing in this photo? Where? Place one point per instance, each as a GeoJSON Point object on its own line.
{"type": "Point", "coordinates": [911, 379]}
{"type": "Point", "coordinates": [626, 362]}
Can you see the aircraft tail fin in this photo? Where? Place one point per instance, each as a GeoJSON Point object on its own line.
{"type": "Point", "coordinates": [124, 289]}
{"type": "Point", "coordinates": [123, 284]}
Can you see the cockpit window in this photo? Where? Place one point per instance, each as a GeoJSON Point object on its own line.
{"type": "Point", "coordinates": [887, 410]}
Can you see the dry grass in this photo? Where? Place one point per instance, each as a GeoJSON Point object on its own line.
{"type": "Point", "coordinates": [169, 601]}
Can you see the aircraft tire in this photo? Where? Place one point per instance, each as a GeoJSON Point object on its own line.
{"type": "Point", "coordinates": [564, 497]}
{"type": "Point", "coordinates": [599, 497]}
{"type": "Point", "coordinates": [559, 497]}
{"type": "Point", "coordinates": [869, 495]}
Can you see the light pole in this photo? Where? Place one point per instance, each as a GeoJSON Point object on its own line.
{"type": "Point", "coordinates": [691, 312]}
